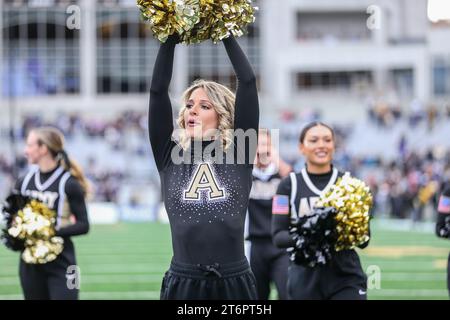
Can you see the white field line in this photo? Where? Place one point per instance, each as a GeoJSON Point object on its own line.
{"type": "Point", "coordinates": [100, 279]}
{"type": "Point", "coordinates": [408, 292]}
{"type": "Point", "coordinates": [86, 295]}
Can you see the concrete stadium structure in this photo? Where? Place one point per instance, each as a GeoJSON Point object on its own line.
{"type": "Point", "coordinates": [323, 55]}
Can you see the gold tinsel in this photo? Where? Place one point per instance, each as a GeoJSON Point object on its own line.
{"type": "Point", "coordinates": [35, 224]}
{"type": "Point", "coordinates": [167, 17]}
{"type": "Point", "coordinates": [353, 200]}
{"type": "Point", "coordinates": [42, 251]}
{"type": "Point", "coordinates": [197, 20]}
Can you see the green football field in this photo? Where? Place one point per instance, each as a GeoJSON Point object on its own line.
{"type": "Point", "coordinates": [127, 261]}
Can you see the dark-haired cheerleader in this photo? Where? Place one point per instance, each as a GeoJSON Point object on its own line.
{"type": "Point", "coordinates": [342, 277]}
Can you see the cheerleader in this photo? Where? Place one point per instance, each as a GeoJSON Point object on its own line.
{"type": "Point", "coordinates": [206, 197]}
{"type": "Point", "coordinates": [342, 277]}
{"type": "Point", "coordinates": [58, 182]}
{"type": "Point", "coordinates": [269, 263]}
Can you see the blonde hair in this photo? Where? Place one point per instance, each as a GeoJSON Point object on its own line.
{"type": "Point", "coordinates": [222, 100]}
{"type": "Point", "coordinates": [54, 140]}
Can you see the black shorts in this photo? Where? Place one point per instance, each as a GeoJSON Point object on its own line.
{"type": "Point", "coordinates": [340, 279]}
{"type": "Point", "coordinates": [230, 281]}
{"type": "Point", "coordinates": [50, 281]}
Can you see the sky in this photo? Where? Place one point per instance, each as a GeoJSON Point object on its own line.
{"type": "Point", "coordinates": [438, 10]}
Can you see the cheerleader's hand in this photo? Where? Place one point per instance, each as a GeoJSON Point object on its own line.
{"type": "Point", "coordinates": [174, 38]}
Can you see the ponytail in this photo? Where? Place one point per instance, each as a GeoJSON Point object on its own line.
{"type": "Point", "coordinates": [75, 170]}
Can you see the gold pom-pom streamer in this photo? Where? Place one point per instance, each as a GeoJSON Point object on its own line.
{"type": "Point", "coordinates": [42, 251]}
{"type": "Point", "coordinates": [221, 18]}
{"type": "Point", "coordinates": [167, 17]}
{"type": "Point", "coordinates": [35, 224]}
{"type": "Point", "coordinates": [353, 200]}
{"type": "Point", "coordinates": [197, 20]}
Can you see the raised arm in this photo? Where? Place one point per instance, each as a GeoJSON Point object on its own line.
{"type": "Point", "coordinates": [246, 106]}
{"type": "Point", "coordinates": [160, 122]}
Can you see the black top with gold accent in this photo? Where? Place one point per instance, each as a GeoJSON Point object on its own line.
{"type": "Point", "coordinates": [206, 198]}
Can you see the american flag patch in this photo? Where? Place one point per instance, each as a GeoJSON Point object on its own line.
{"type": "Point", "coordinates": [444, 204]}
{"type": "Point", "coordinates": [280, 204]}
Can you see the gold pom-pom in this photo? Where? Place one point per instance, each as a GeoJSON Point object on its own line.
{"type": "Point", "coordinates": [167, 17]}
{"type": "Point", "coordinates": [43, 251]}
{"type": "Point", "coordinates": [35, 224]}
{"type": "Point", "coordinates": [221, 18]}
{"type": "Point", "coordinates": [197, 20]}
{"type": "Point", "coordinates": [353, 200]}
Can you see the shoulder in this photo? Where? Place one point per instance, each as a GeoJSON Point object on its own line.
{"type": "Point", "coordinates": [22, 177]}
{"type": "Point", "coordinates": [72, 185]}
{"type": "Point", "coordinates": [285, 185]}
{"type": "Point", "coordinates": [341, 173]}
{"type": "Point", "coordinates": [20, 180]}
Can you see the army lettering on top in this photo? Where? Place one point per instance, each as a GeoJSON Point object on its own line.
{"type": "Point", "coordinates": [301, 203]}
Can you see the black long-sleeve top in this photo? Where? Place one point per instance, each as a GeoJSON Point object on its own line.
{"type": "Point", "coordinates": [206, 201]}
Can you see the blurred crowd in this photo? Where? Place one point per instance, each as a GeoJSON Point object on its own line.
{"type": "Point", "coordinates": [385, 113]}
{"type": "Point", "coordinates": [407, 187]}
{"type": "Point", "coordinates": [111, 130]}
{"type": "Point", "coordinates": [126, 132]}
{"type": "Point", "coordinates": [104, 184]}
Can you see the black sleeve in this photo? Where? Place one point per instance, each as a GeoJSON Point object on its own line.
{"type": "Point", "coordinates": [18, 185]}
{"type": "Point", "coordinates": [281, 222]}
{"type": "Point", "coordinates": [246, 113]}
{"type": "Point", "coordinates": [443, 218]}
{"type": "Point", "coordinates": [160, 122]}
{"type": "Point", "coordinates": [77, 205]}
